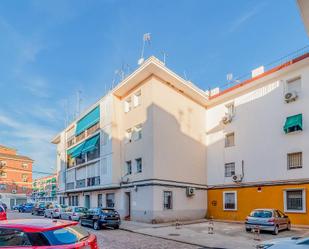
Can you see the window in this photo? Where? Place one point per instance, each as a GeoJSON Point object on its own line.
{"type": "Point", "coordinates": [93, 181]}
{"type": "Point", "coordinates": [294, 85]}
{"type": "Point", "coordinates": [93, 129]}
{"type": "Point", "coordinates": [137, 132]}
{"type": "Point", "coordinates": [100, 200]}
{"type": "Point", "coordinates": [70, 185]}
{"type": "Point", "coordinates": [110, 200]}
{"type": "Point", "coordinates": [295, 200]}
{"type": "Point", "coordinates": [229, 139]}
{"type": "Point", "coordinates": [81, 183]}
{"type": "Point", "coordinates": [293, 123]}
{"type": "Point", "coordinates": [137, 99]}
{"type": "Point", "coordinates": [229, 169]}
{"type": "Point", "coordinates": [80, 136]}
{"type": "Point", "coordinates": [128, 136]}
{"type": "Point", "coordinates": [167, 199]}
{"type": "Point", "coordinates": [128, 167]}
{"type": "Point", "coordinates": [24, 165]}
{"type": "Point", "coordinates": [24, 188]}
{"type": "Point", "coordinates": [70, 141]}
{"type": "Point", "coordinates": [12, 237]}
{"type": "Point", "coordinates": [138, 165]}
{"type": "Point", "coordinates": [127, 105]}
{"type": "Point", "coordinates": [230, 200]}
{"type": "Point", "coordinates": [3, 174]}
{"type": "Point", "coordinates": [24, 177]}
{"type": "Point", "coordinates": [295, 160]}
{"type": "Point", "coordinates": [2, 186]}
{"type": "Point", "coordinates": [230, 108]}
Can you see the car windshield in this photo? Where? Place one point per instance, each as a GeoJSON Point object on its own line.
{"type": "Point", "coordinates": [66, 235]}
{"type": "Point", "coordinates": [1, 209]}
{"type": "Point", "coordinates": [108, 211]}
{"type": "Point", "coordinates": [80, 210]}
{"type": "Point", "coordinates": [261, 214]}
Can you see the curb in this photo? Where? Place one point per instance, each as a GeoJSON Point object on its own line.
{"type": "Point", "coordinates": [170, 239]}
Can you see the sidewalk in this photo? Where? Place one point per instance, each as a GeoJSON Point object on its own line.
{"type": "Point", "coordinates": [226, 235]}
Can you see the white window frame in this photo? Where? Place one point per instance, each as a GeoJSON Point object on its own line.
{"type": "Point", "coordinates": [226, 145]}
{"type": "Point", "coordinates": [128, 136]}
{"type": "Point", "coordinates": [301, 160]}
{"type": "Point", "coordinates": [230, 109]}
{"type": "Point", "coordinates": [127, 167]}
{"type": "Point", "coordinates": [304, 210]}
{"type": "Point", "coordinates": [137, 99]}
{"type": "Point", "coordinates": [172, 200]}
{"type": "Point", "coordinates": [141, 160]}
{"type": "Point", "coordinates": [137, 132]}
{"type": "Point", "coordinates": [229, 192]}
{"type": "Point", "coordinates": [127, 105]}
{"type": "Point", "coordinates": [290, 81]}
{"type": "Point", "coordinates": [225, 169]}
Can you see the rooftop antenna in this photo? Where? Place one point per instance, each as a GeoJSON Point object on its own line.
{"type": "Point", "coordinates": [78, 102]}
{"type": "Point", "coordinates": [185, 75]}
{"type": "Point", "coordinates": [229, 77]}
{"type": "Point", "coordinates": [164, 56]}
{"type": "Point", "coordinates": [146, 39]}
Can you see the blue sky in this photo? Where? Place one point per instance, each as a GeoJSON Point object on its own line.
{"type": "Point", "coordinates": [49, 50]}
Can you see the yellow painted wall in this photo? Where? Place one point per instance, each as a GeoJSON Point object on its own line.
{"type": "Point", "coordinates": [248, 198]}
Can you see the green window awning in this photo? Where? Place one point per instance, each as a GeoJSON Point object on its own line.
{"type": "Point", "coordinates": [91, 144]}
{"type": "Point", "coordinates": [293, 123]}
{"type": "Point", "coordinates": [76, 151]}
{"type": "Point", "coordinates": [53, 179]}
{"type": "Point", "coordinates": [87, 121]}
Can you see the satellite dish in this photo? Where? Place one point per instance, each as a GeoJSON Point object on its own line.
{"type": "Point", "coordinates": [140, 61]}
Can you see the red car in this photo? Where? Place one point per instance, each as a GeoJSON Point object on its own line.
{"type": "Point", "coordinates": [45, 234]}
{"type": "Point", "coordinates": [2, 213]}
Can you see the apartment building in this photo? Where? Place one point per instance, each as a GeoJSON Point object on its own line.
{"type": "Point", "coordinates": [15, 176]}
{"type": "Point", "coordinates": [258, 144]}
{"type": "Point", "coordinates": [140, 149]}
{"type": "Point", "coordinates": [44, 188]}
{"type": "Point", "coordinates": [157, 148]}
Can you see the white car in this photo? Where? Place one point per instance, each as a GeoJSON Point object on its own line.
{"type": "Point", "coordinates": [54, 211]}
{"type": "Point", "coordinates": [73, 213]}
{"type": "Point", "coordinates": [286, 243]}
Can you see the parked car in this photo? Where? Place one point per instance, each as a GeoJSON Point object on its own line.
{"type": "Point", "coordinates": [286, 243]}
{"type": "Point", "coordinates": [26, 208]}
{"type": "Point", "coordinates": [2, 213]}
{"type": "Point", "coordinates": [101, 217]}
{"type": "Point", "coordinates": [268, 219]}
{"type": "Point", "coordinates": [38, 208]}
{"type": "Point", "coordinates": [73, 213]}
{"type": "Point", "coordinates": [4, 206]}
{"type": "Point", "coordinates": [54, 210]}
{"type": "Point", "coordinates": [16, 207]}
{"type": "Point", "coordinates": [40, 233]}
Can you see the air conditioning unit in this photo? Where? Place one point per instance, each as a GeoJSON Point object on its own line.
{"type": "Point", "coordinates": [3, 164]}
{"type": "Point", "coordinates": [14, 191]}
{"type": "Point", "coordinates": [227, 118]}
{"type": "Point", "coordinates": [190, 191]}
{"type": "Point", "coordinates": [290, 96]}
{"type": "Point", "coordinates": [237, 178]}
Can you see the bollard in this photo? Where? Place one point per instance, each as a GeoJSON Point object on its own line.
{"type": "Point", "coordinates": [211, 226]}
{"type": "Point", "coordinates": [256, 233]}
{"type": "Point", "coordinates": [177, 225]}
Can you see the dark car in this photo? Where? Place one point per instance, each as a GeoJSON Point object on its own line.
{"type": "Point", "coordinates": [26, 208]}
{"type": "Point", "coordinates": [101, 217]}
{"type": "Point", "coordinates": [38, 209]}
{"type": "Point", "coordinates": [45, 234]}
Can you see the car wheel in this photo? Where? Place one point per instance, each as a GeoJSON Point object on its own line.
{"type": "Point", "coordinates": [289, 226]}
{"type": "Point", "coordinates": [116, 227]}
{"type": "Point", "coordinates": [81, 223]}
{"type": "Point", "coordinates": [248, 230]}
{"type": "Point", "coordinates": [96, 225]}
{"type": "Point", "coordinates": [276, 231]}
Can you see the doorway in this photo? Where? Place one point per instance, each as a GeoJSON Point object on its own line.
{"type": "Point", "coordinates": [87, 201]}
{"type": "Point", "coordinates": [127, 205]}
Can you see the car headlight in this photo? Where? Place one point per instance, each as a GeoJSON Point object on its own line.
{"type": "Point", "coordinates": [264, 246]}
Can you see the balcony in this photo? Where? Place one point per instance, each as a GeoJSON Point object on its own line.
{"type": "Point", "coordinates": [87, 133]}
{"type": "Point", "coordinates": [70, 185]}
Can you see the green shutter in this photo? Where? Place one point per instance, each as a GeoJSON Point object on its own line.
{"type": "Point", "coordinates": [91, 144]}
{"type": "Point", "coordinates": [88, 120]}
{"type": "Point", "coordinates": [292, 122]}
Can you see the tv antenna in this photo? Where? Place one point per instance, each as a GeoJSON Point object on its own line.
{"type": "Point", "coordinates": [78, 102]}
{"type": "Point", "coordinates": [164, 56]}
{"type": "Point", "coordinates": [146, 40]}
{"type": "Point", "coordinates": [229, 77]}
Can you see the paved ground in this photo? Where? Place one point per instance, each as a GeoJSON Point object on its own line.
{"type": "Point", "coordinates": [226, 235]}
{"type": "Point", "coordinates": [119, 239]}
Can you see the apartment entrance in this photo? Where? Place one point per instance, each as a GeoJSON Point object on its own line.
{"type": "Point", "coordinates": [87, 201]}
{"type": "Point", "coordinates": [127, 203]}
